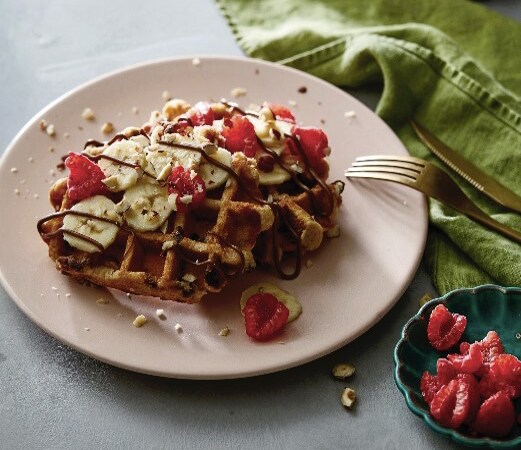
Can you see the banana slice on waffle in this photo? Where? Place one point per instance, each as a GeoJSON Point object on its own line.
{"type": "Point", "coordinates": [122, 164]}
{"type": "Point", "coordinates": [98, 230]}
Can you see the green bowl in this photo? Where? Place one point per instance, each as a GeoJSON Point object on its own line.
{"type": "Point", "coordinates": [487, 308]}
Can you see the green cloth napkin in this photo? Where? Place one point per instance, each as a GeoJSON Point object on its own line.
{"type": "Point", "coordinates": [453, 65]}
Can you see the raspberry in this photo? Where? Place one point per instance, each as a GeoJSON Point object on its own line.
{"type": "Point", "coordinates": [314, 144]}
{"type": "Point", "coordinates": [444, 329]}
{"type": "Point", "coordinates": [240, 136]}
{"type": "Point", "coordinates": [504, 375]}
{"type": "Point", "coordinates": [455, 403]}
{"type": "Point", "coordinates": [201, 114]}
{"type": "Point", "coordinates": [85, 178]}
{"type": "Point", "coordinates": [490, 384]}
{"type": "Point", "coordinates": [185, 183]}
{"type": "Point", "coordinates": [470, 362]}
{"type": "Point", "coordinates": [446, 371]}
{"type": "Point", "coordinates": [264, 316]}
{"type": "Point", "coordinates": [429, 385]}
{"type": "Point", "coordinates": [280, 112]}
{"type": "Point", "coordinates": [491, 347]}
{"type": "Point", "coordinates": [496, 416]}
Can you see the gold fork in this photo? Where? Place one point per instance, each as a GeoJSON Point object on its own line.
{"type": "Point", "coordinates": [429, 179]}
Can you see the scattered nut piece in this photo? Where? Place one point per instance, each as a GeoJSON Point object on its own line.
{"type": "Point", "coordinates": [50, 130]}
{"type": "Point", "coordinates": [51, 149]}
{"type": "Point", "coordinates": [43, 125]}
{"type": "Point", "coordinates": [343, 370]}
{"type": "Point", "coordinates": [68, 295]}
{"type": "Point", "coordinates": [292, 103]}
{"type": "Point", "coordinates": [87, 329]}
{"type": "Point", "coordinates": [102, 301]}
{"type": "Point", "coordinates": [128, 294]}
{"type": "Point", "coordinates": [52, 172]}
{"type": "Point", "coordinates": [88, 114]}
{"type": "Point", "coordinates": [160, 313]}
{"type": "Point", "coordinates": [17, 191]}
{"type": "Point", "coordinates": [135, 110]}
{"type": "Point", "coordinates": [224, 332]}
{"type": "Point", "coordinates": [66, 135]}
{"type": "Point", "coordinates": [174, 108]}
{"type": "Point", "coordinates": [309, 263]}
{"type": "Point", "coordinates": [302, 89]}
{"type": "Point", "coordinates": [14, 170]}
{"type": "Point", "coordinates": [139, 321]}
{"type": "Point", "coordinates": [54, 288]}
{"type": "Point", "coordinates": [30, 159]}
{"type": "Point", "coordinates": [166, 96]}
{"type": "Point", "coordinates": [190, 278]}
{"type": "Point", "coordinates": [178, 328]}
{"type": "Point", "coordinates": [107, 128]}
{"type": "Point", "coordinates": [196, 61]}
{"type": "Point", "coordinates": [348, 398]}
{"type": "Point", "coordinates": [349, 114]}
{"type": "Point", "coordinates": [238, 92]}
{"type": "Point", "coordinates": [333, 232]}
{"type": "Point", "coordinates": [425, 298]}
{"type": "Point", "coordinates": [36, 196]}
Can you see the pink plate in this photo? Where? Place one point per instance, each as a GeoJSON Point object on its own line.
{"type": "Point", "coordinates": [353, 281]}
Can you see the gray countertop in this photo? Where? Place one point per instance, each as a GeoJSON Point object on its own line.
{"type": "Point", "coordinates": [55, 397]}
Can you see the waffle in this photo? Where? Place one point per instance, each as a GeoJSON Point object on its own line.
{"type": "Point", "coordinates": [197, 251]}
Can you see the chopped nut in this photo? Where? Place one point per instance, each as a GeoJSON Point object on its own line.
{"type": "Point", "coordinates": [43, 125]}
{"type": "Point", "coordinates": [51, 149]}
{"type": "Point", "coordinates": [87, 329]}
{"type": "Point", "coordinates": [178, 328]}
{"type": "Point", "coordinates": [17, 191]}
{"type": "Point", "coordinates": [68, 295]}
{"type": "Point", "coordinates": [135, 110]}
{"type": "Point", "coordinates": [54, 288]}
{"type": "Point", "coordinates": [238, 92]}
{"type": "Point", "coordinates": [14, 170]}
{"type": "Point", "coordinates": [292, 103]}
{"type": "Point", "coordinates": [333, 232]}
{"type": "Point", "coordinates": [107, 128]}
{"type": "Point", "coordinates": [52, 172]}
{"type": "Point", "coordinates": [36, 196]}
{"type": "Point", "coordinates": [30, 159]}
{"type": "Point", "coordinates": [196, 61]}
{"type": "Point", "coordinates": [174, 108]}
{"type": "Point", "coordinates": [425, 298]}
{"type": "Point", "coordinates": [190, 278]}
{"type": "Point", "coordinates": [50, 130]}
{"type": "Point", "coordinates": [343, 370]}
{"type": "Point", "coordinates": [348, 398]}
{"type": "Point", "coordinates": [167, 245]}
{"type": "Point", "coordinates": [349, 114]}
{"type": "Point", "coordinates": [66, 135]}
{"type": "Point", "coordinates": [166, 96]}
{"type": "Point", "coordinates": [88, 114]}
{"type": "Point", "coordinates": [309, 263]}
{"type": "Point", "coordinates": [224, 332]}
{"type": "Point", "coordinates": [102, 301]}
{"type": "Point", "coordinates": [139, 321]}
{"type": "Point", "coordinates": [160, 313]}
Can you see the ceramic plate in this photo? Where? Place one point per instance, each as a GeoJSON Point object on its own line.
{"type": "Point", "coordinates": [354, 280]}
{"type": "Point", "coordinates": [486, 308]}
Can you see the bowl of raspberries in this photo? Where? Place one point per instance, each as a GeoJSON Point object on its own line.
{"type": "Point", "coordinates": [458, 364]}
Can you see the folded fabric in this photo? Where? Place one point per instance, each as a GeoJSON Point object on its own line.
{"type": "Point", "coordinates": [452, 65]}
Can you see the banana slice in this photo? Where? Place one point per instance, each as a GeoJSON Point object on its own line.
{"type": "Point", "coordinates": [149, 206]}
{"type": "Point", "coordinates": [102, 232]}
{"type": "Point", "coordinates": [277, 176]}
{"type": "Point", "coordinates": [214, 176]}
{"type": "Point", "coordinates": [162, 158]}
{"type": "Point", "coordinates": [295, 308]}
{"type": "Point", "coordinates": [118, 176]}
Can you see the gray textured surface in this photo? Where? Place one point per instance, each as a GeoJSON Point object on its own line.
{"type": "Point", "coordinates": [54, 397]}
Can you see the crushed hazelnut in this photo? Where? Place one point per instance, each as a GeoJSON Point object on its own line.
{"type": "Point", "coordinates": [68, 295]}
{"type": "Point", "coordinates": [166, 96]}
{"type": "Point", "coordinates": [43, 125]}
{"type": "Point", "coordinates": [17, 191]}
{"type": "Point", "coordinates": [14, 170]}
{"type": "Point", "coordinates": [36, 196]}
{"type": "Point", "coordinates": [30, 159]}
{"type": "Point", "coordinates": [178, 328]}
{"type": "Point", "coordinates": [224, 332]}
{"type": "Point", "coordinates": [102, 301]}
{"type": "Point", "coordinates": [343, 371]}
{"type": "Point", "coordinates": [292, 103]}
{"type": "Point", "coordinates": [348, 398]}
{"type": "Point", "coordinates": [87, 329]}
{"type": "Point", "coordinates": [50, 130]}
{"type": "Point", "coordinates": [160, 313]}
{"type": "Point", "coordinates": [135, 110]}
{"type": "Point", "coordinates": [88, 114]}
{"type": "Point", "coordinates": [333, 232]}
{"type": "Point", "coordinates": [238, 92]}
{"type": "Point", "coordinates": [66, 135]}
{"type": "Point", "coordinates": [51, 149]}
{"type": "Point", "coordinates": [107, 128]}
{"type": "Point", "coordinates": [349, 114]}
{"type": "Point", "coordinates": [190, 278]}
{"type": "Point", "coordinates": [196, 61]}
{"type": "Point", "coordinates": [139, 321]}
{"type": "Point", "coordinates": [309, 263]}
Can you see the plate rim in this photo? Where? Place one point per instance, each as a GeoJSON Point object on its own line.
{"type": "Point", "coordinates": [221, 375]}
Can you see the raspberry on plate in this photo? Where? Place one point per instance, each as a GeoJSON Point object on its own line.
{"type": "Point", "coordinates": [201, 114]}
{"type": "Point", "coordinates": [264, 316]}
{"type": "Point", "coordinates": [314, 144]}
{"type": "Point", "coordinates": [280, 112]}
{"type": "Point", "coordinates": [85, 177]}
{"type": "Point", "coordinates": [188, 187]}
{"type": "Point", "coordinates": [445, 329]}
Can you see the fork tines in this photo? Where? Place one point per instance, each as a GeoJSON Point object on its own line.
{"type": "Point", "coordinates": [392, 168]}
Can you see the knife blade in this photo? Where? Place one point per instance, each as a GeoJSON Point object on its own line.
{"type": "Point", "coordinates": [474, 175]}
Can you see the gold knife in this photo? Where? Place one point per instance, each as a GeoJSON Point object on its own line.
{"type": "Point", "coordinates": [474, 175]}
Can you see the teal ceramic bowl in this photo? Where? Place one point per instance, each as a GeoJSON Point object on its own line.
{"type": "Point", "coordinates": [487, 308]}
